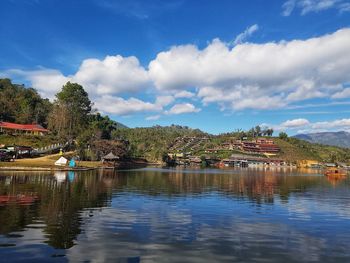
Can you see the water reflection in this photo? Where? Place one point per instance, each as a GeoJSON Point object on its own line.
{"type": "Point", "coordinates": [174, 215]}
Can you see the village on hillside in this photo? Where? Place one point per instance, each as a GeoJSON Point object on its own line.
{"type": "Point", "coordinates": [257, 152]}
{"type": "Point", "coordinates": [201, 151]}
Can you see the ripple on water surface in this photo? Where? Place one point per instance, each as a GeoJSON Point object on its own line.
{"type": "Point", "coordinates": [154, 215]}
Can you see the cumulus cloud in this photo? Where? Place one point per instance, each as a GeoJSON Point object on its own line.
{"type": "Point", "coordinates": [309, 6]}
{"type": "Point", "coordinates": [244, 76]}
{"type": "Point", "coordinates": [305, 126]}
{"type": "Point", "coordinates": [164, 100]}
{"type": "Point", "coordinates": [284, 72]}
{"type": "Point", "coordinates": [182, 108]}
{"type": "Point", "coordinates": [120, 106]}
{"type": "Point", "coordinates": [246, 34]}
{"type": "Point", "coordinates": [110, 76]}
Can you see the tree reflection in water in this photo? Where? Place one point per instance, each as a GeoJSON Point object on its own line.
{"type": "Point", "coordinates": [61, 198]}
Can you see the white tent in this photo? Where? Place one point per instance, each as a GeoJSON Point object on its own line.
{"type": "Point", "coordinates": [61, 162]}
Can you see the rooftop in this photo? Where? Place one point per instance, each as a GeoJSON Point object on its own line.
{"type": "Point", "coordinates": [24, 127]}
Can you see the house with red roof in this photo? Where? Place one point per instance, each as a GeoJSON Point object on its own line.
{"type": "Point", "coordinates": [15, 128]}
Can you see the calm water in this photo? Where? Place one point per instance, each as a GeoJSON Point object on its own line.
{"type": "Point", "coordinates": [155, 215]}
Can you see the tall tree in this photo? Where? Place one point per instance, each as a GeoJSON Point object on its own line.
{"type": "Point", "coordinates": [70, 114]}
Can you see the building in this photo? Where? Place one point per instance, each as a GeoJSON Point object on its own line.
{"type": "Point", "coordinates": [261, 145]}
{"type": "Point", "coordinates": [15, 128]}
{"type": "Point", "coordinates": [254, 160]}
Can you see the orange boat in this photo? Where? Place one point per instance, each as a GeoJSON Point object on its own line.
{"type": "Point", "coordinates": [335, 173]}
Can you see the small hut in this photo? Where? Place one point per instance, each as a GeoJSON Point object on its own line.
{"type": "Point", "coordinates": [110, 159]}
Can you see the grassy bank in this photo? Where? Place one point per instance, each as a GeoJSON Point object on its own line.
{"type": "Point", "coordinates": [46, 162]}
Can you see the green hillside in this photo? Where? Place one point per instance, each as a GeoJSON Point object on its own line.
{"type": "Point", "coordinates": [294, 149]}
{"type": "Point", "coordinates": [153, 142]}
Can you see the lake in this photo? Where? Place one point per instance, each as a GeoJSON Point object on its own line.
{"type": "Point", "coordinates": [174, 215]}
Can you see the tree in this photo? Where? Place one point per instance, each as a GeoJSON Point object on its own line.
{"type": "Point", "coordinates": [22, 105]}
{"type": "Point", "coordinates": [257, 130]}
{"type": "Point", "coordinates": [269, 132]}
{"type": "Point", "coordinates": [283, 135]}
{"type": "Point", "coordinates": [70, 114]}
{"type": "Point", "coordinates": [102, 125]}
{"type": "Point", "coordinates": [251, 132]}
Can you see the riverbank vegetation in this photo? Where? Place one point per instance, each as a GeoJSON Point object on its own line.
{"type": "Point", "coordinates": [70, 118]}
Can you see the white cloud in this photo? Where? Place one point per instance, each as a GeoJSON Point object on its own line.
{"type": "Point", "coordinates": [341, 124]}
{"type": "Point", "coordinates": [120, 106]}
{"type": "Point", "coordinates": [246, 76]}
{"type": "Point", "coordinates": [309, 6]}
{"type": "Point", "coordinates": [285, 72]}
{"type": "Point", "coordinates": [102, 79]}
{"type": "Point", "coordinates": [305, 126]}
{"type": "Point", "coordinates": [164, 100]}
{"type": "Point", "coordinates": [153, 118]}
{"type": "Point", "coordinates": [183, 108]}
{"type": "Point", "coordinates": [184, 94]}
{"type": "Point", "coordinates": [246, 34]}
{"type": "Point", "coordinates": [296, 123]}
{"type": "Point", "coordinates": [112, 75]}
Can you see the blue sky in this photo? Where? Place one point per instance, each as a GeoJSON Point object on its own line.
{"type": "Point", "coordinates": [213, 65]}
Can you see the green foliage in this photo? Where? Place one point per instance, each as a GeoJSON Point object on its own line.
{"type": "Point", "coordinates": [283, 135]}
{"type": "Point", "coordinates": [295, 149]}
{"type": "Point", "coordinates": [257, 131]}
{"type": "Point", "coordinates": [103, 125]}
{"type": "Point", "coordinates": [70, 114]}
{"type": "Point", "coordinates": [153, 142]}
{"type": "Point", "coordinates": [28, 140]}
{"type": "Point", "coordinates": [22, 105]}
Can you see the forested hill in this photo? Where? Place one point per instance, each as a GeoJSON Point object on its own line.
{"type": "Point", "coordinates": [22, 105]}
{"type": "Point", "coordinates": [153, 142]}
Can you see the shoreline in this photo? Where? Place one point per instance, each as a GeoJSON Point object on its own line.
{"type": "Point", "coordinates": [48, 169]}
{"type": "Point", "coordinates": [47, 163]}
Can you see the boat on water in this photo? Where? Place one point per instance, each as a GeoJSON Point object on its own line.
{"type": "Point", "coordinates": [335, 172]}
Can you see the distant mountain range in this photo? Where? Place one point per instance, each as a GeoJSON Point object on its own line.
{"type": "Point", "coordinates": [341, 139]}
